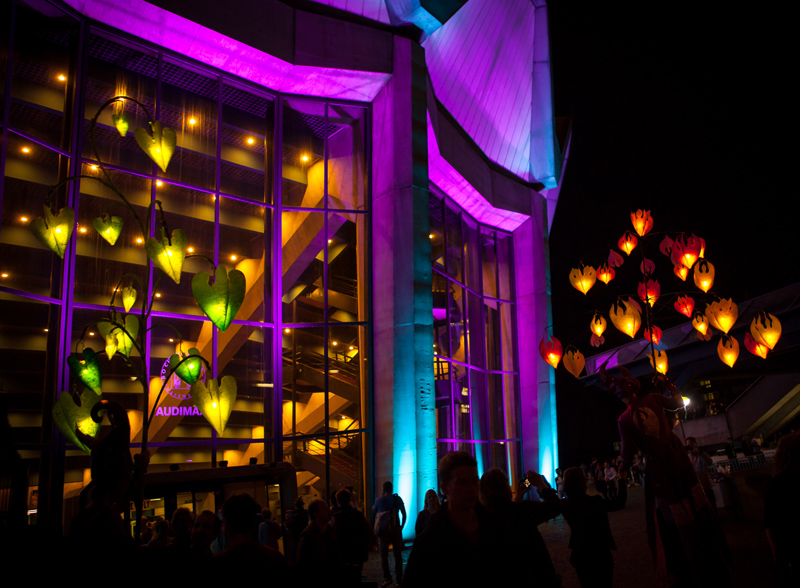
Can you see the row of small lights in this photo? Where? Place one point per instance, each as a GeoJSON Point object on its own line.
{"type": "Point", "coordinates": [192, 121]}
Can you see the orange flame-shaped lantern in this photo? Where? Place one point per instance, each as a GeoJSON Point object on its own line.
{"type": "Point", "coordinates": [647, 267]}
{"type": "Point", "coordinates": [704, 275]}
{"type": "Point", "coordinates": [649, 292]}
{"type": "Point", "coordinates": [722, 314]}
{"type": "Point", "coordinates": [615, 259]}
{"type": "Point", "coordinates": [627, 242]}
{"type": "Point", "coordinates": [686, 250]}
{"type": "Point", "coordinates": [574, 362]}
{"type": "Point", "coordinates": [766, 330]}
{"type": "Point", "coordinates": [660, 364]}
{"type": "Point", "coordinates": [685, 305]}
{"type": "Point", "coordinates": [681, 271]}
{"type": "Point", "coordinates": [625, 317]}
{"type": "Point", "coordinates": [665, 246]}
{"type": "Point", "coordinates": [755, 347]}
{"type": "Point", "coordinates": [728, 350]}
{"type": "Point", "coordinates": [598, 324]}
{"type": "Point", "coordinates": [642, 222]}
{"type": "Point", "coordinates": [582, 278]}
{"type": "Point", "coordinates": [702, 247]}
{"type": "Point", "coordinates": [700, 322]}
{"type": "Point", "coordinates": [551, 351]}
{"type": "Point", "coordinates": [655, 337]}
{"type": "Point", "coordinates": [605, 274]}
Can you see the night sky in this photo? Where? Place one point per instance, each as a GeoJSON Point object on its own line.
{"type": "Point", "coordinates": [683, 112]}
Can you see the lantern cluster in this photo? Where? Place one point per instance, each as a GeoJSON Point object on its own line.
{"type": "Point", "coordinates": [686, 251]}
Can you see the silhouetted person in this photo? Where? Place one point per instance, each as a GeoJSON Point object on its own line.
{"type": "Point", "coordinates": [591, 541]}
{"type": "Point", "coordinates": [524, 546]}
{"type": "Point", "coordinates": [353, 536]}
{"type": "Point", "coordinates": [460, 547]}
{"type": "Point", "coordinates": [239, 524]}
{"type": "Point", "coordinates": [432, 505]}
{"type": "Point", "coordinates": [389, 529]}
{"type": "Point", "coordinates": [205, 529]}
{"type": "Point", "coordinates": [782, 511]}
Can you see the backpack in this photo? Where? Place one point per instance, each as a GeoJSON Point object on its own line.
{"type": "Point", "coordinates": [389, 519]}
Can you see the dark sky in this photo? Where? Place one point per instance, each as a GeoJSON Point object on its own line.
{"type": "Point", "coordinates": [684, 112]}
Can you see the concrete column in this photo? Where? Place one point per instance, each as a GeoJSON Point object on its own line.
{"type": "Point", "coordinates": [536, 378]}
{"type": "Point", "coordinates": [404, 396]}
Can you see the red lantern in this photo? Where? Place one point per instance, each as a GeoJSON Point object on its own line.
{"type": "Point", "coordinates": [642, 222]}
{"type": "Point", "coordinates": [728, 350]}
{"type": "Point", "coordinates": [660, 363]}
{"type": "Point", "coordinates": [704, 275]}
{"type": "Point", "coordinates": [755, 347]}
{"type": "Point", "coordinates": [628, 242]}
{"type": "Point", "coordinates": [766, 330]}
{"type": "Point", "coordinates": [647, 267]}
{"type": "Point", "coordinates": [656, 336]}
{"type": "Point", "coordinates": [582, 278]}
{"type": "Point", "coordinates": [614, 259]}
{"type": "Point", "coordinates": [685, 305]}
{"type": "Point", "coordinates": [551, 350]}
{"type": "Point", "coordinates": [605, 274]}
{"type": "Point", "coordinates": [700, 322]}
{"type": "Point", "coordinates": [650, 292]}
{"type": "Point", "coordinates": [681, 271]}
{"type": "Point", "coordinates": [626, 317]}
{"type": "Point", "coordinates": [703, 336]}
{"type": "Point", "coordinates": [686, 250]}
{"type": "Point", "coordinates": [597, 341]}
{"type": "Point", "coordinates": [665, 246]}
{"type": "Point", "coordinates": [574, 362]}
{"type": "Point", "coordinates": [722, 314]}
{"type": "Point", "coordinates": [598, 324]}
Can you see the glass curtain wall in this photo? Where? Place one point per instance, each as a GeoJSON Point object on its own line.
{"type": "Point", "coordinates": [293, 219]}
{"type": "Point", "coordinates": [475, 356]}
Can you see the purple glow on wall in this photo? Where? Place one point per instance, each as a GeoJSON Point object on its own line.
{"type": "Point", "coordinates": [459, 189]}
{"type": "Point", "coordinates": [490, 67]}
{"type": "Point", "coordinates": [178, 34]}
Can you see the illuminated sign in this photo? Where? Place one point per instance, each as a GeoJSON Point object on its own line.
{"type": "Point", "coordinates": [179, 390]}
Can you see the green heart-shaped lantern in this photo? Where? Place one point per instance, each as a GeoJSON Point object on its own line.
{"type": "Point", "coordinates": [189, 370]}
{"type": "Point", "coordinates": [222, 299]}
{"type": "Point", "coordinates": [108, 227]}
{"type": "Point", "coordinates": [87, 370]}
{"type": "Point", "coordinates": [168, 254]}
{"type": "Point", "coordinates": [116, 338]}
{"type": "Point", "coordinates": [54, 230]}
{"type": "Point", "coordinates": [122, 123]}
{"type": "Point", "coordinates": [159, 146]}
{"type": "Point", "coordinates": [216, 401]}
{"type": "Point", "coordinates": [75, 422]}
{"type": "Point", "coordinates": [128, 297]}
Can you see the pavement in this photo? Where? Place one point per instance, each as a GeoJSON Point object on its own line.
{"type": "Point", "coordinates": [633, 563]}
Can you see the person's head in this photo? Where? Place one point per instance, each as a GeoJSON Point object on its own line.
{"type": "Point", "coordinates": [625, 386]}
{"type": "Point", "coordinates": [787, 455]}
{"type": "Point", "coordinates": [387, 487]}
{"type": "Point", "coordinates": [606, 464]}
{"type": "Point", "coordinates": [431, 500]}
{"type": "Point", "coordinates": [574, 482]}
{"type": "Point", "coordinates": [161, 528]}
{"type": "Point", "coordinates": [181, 522]}
{"type": "Point", "coordinates": [495, 490]}
{"type": "Point", "coordinates": [266, 514]}
{"type": "Point", "coordinates": [239, 515]}
{"type": "Point", "coordinates": [205, 529]}
{"type": "Point", "coordinates": [691, 442]}
{"type": "Point", "coordinates": [458, 479]}
{"type": "Point", "coordinates": [343, 498]}
{"type": "Point", "coordinates": [299, 504]}
{"type": "Point", "coordinates": [319, 512]}
{"type": "Point", "coordinates": [730, 440]}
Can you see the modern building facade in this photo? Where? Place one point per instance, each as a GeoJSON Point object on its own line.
{"type": "Point", "coordinates": [382, 172]}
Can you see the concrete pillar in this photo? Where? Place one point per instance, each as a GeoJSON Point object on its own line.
{"type": "Point", "coordinates": [536, 378]}
{"type": "Point", "coordinates": [404, 410]}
